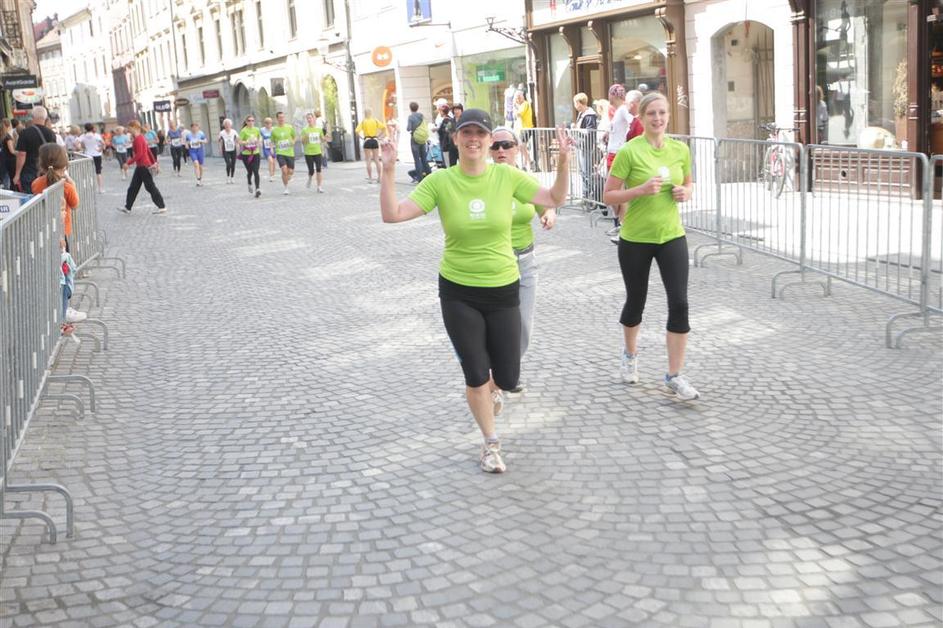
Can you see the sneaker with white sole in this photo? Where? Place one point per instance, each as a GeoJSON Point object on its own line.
{"type": "Point", "coordinates": [74, 316]}
{"type": "Point", "coordinates": [681, 387]}
{"type": "Point", "coordinates": [258, 192]}
{"type": "Point", "coordinates": [497, 397]}
{"type": "Point", "coordinates": [628, 370]}
{"type": "Point", "coordinates": [515, 392]}
{"type": "Point", "coordinates": [250, 188]}
{"type": "Point", "coordinates": [123, 210]}
{"type": "Point", "coordinates": [491, 461]}
{"type": "Point", "coordinates": [320, 190]}
{"type": "Point", "coordinates": [285, 191]}
{"type": "Point", "coordinates": [160, 210]}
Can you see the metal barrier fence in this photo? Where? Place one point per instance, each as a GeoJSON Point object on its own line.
{"type": "Point", "coordinates": [30, 306]}
{"type": "Point", "coordinates": [864, 216]}
{"type": "Point", "coordinates": [88, 242]}
{"type": "Point", "coordinates": [587, 175]}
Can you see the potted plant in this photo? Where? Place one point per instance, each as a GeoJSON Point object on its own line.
{"type": "Point", "coordinates": [901, 102]}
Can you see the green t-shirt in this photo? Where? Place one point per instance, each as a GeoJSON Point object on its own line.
{"type": "Point", "coordinates": [284, 139]}
{"type": "Point", "coordinates": [476, 217]}
{"type": "Point", "coordinates": [652, 219]}
{"type": "Point", "coordinates": [251, 139]}
{"type": "Point", "coordinates": [522, 236]}
{"type": "Point", "coordinates": [311, 140]}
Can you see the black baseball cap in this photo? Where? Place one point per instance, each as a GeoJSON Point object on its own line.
{"type": "Point", "coordinates": [478, 117]}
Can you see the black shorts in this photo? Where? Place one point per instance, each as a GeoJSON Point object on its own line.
{"type": "Point", "coordinates": [98, 163]}
{"type": "Point", "coordinates": [314, 162]}
{"type": "Point", "coordinates": [284, 160]}
{"type": "Point", "coordinates": [121, 158]}
{"type": "Point", "coordinates": [370, 143]}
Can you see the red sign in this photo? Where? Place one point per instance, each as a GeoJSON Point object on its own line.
{"type": "Point", "coordinates": [210, 93]}
{"type": "Point", "coordinates": [382, 56]}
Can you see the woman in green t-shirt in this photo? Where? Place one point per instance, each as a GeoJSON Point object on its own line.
{"type": "Point", "coordinates": [652, 173]}
{"type": "Point", "coordinates": [505, 148]}
{"type": "Point", "coordinates": [250, 140]}
{"type": "Point", "coordinates": [479, 279]}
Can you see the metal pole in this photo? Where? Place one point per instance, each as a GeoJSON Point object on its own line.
{"type": "Point", "coordinates": [351, 82]}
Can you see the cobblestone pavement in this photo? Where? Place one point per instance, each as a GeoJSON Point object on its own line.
{"type": "Point", "coordinates": [282, 440]}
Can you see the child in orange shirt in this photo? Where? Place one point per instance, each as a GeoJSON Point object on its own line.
{"type": "Point", "coordinates": [53, 162]}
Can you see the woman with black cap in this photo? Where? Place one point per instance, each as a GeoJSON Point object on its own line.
{"type": "Point", "coordinates": [478, 276]}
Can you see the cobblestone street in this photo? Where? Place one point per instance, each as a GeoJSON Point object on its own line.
{"type": "Point", "coordinates": [282, 439]}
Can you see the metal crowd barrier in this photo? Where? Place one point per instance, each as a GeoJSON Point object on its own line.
{"type": "Point", "coordinates": [89, 242]}
{"type": "Point", "coordinates": [864, 216]}
{"type": "Point", "coordinates": [30, 304]}
{"type": "Point", "coordinates": [539, 151]}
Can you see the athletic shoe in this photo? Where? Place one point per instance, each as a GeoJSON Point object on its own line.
{"type": "Point", "coordinates": [199, 183]}
{"type": "Point", "coordinates": [614, 230]}
{"type": "Point", "coordinates": [320, 190]}
{"type": "Point", "coordinates": [516, 392]}
{"type": "Point", "coordinates": [615, 240]}
{"type": "Point", "coordinates": [491, 461]}
{"type": "Point", "coordinates": [271, 179]}
{"type": "Point", "coordinates": [74, 316]}
{"type": "Point", "coordinates": [285, 191]}
{"type": "Point", "coordinates": [629, 368]}
{"type": "Point", "coordinates": [258, 192]}
{"type": "Point", "coordinates": [497, 397]}
{"type": "Point", "coordinates": [681, 387]}
{"type": "Point", "coordinates": [160, 210]}
{"type": "Point", "coordinates": [123, 210]}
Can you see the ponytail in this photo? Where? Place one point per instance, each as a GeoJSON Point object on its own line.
{"type": "Point", "coordinates": [51, 175]}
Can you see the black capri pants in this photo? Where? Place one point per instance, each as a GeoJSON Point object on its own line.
{"type": "Point", "coordinates": [635, 260]}
{"type": "Point", "coordinates": [252, 163]}
{"type": "Point", "coordinates": [313, 161]}
{"type": "Point", "coordinates": [484, 325]}
{"type": "Point", "coordinates": [229, 156]}
{"type": "Point", "coordinates": [97, 160]}
{"type": "Point", "coordinates": [176, 153]}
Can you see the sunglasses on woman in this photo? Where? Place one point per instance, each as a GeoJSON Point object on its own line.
{"type": "Point", "coordinates": [504, 144]}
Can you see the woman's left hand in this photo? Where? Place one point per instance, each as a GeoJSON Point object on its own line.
{"type": "Point", "coordinates": [564, 140]}
{"type": "Point", "coordinates": [681, 193]}
{"type": "Point", "coordinates": [549, 219]}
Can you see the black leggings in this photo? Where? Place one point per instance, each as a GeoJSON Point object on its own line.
{"type": "Point", "coordinates": [230, 157]}
{"type": "Point", "coordinates": [487, 340]}
{"type": "Point", "coordinates": [313, 161]}
{"type": "Point", "coordinates": [176, 152]}
{"type": "Point", "coordinates": [635, 260]}
{"type": "Point", "coordinates": [252, 163]}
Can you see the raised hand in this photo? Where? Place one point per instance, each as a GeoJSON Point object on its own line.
{"type": "Point", "coordinates": [564, 140]}
{"type": "Point", "coordinates": [388, 154]}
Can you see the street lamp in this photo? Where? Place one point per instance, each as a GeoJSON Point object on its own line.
{"type": "Point", "coordinates": [323, 47]}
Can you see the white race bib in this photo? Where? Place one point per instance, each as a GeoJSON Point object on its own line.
{"type": "Point", "coordinates": [267, 142]}
{"type": "Point", "coordinates": [314, 138]}
{"type": "Point", "coordinates": [121, 148]}
{"type": "Point", "coordinates": [175, 141]}
{"type": "Point", "coordinates": [229, 143]}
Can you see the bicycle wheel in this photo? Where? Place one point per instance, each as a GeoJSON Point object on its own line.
{"type": "Point", "coordinates": [778, 173]}
{"type": "Point", "coordinates": [765, 177]}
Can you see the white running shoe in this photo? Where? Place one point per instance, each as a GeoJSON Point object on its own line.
{"type": "Point", "coordinates": [250, 188]}
{"type": "Point", "coordinates": [271, 179]}
{"type": "Point", "coordinates": [74, 316]}
{"type": "Point", "coordinates": [681, 387]}
{"type": "Point", "coordinates": [497, 397]}
{"type": "Point", "coordinates": [159, 210]}
{"type": "Point", "coordinates": [491, 461]}
{"type": "Point", "coordinates": [285, 191]}
{"type": "Point", "coordinates": [628, 370]}
{"type": "Point", "coordinates": [258, 192]}
{"type": "Point", "coordinates": [320, 190]}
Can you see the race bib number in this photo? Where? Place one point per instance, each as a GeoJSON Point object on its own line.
{"type": "Point", "coordinates": [284, 144]}
{"type": "Point", "coordinates": [229, 143]}
{"type": "Point", "coordinates": [175, 141]}
{"type": "Point", "coordinates": [267, 143]}
{"type": "Point", "coordinates": [121, 149]}
{"type": "Point", "coordinates": [314, 138]}
{"type": "Point", "coordinates": [250, 147]}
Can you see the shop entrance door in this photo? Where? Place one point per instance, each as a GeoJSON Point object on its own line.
{"type": "Point", "coordinates": [589, 79]}
{"type": "Point", "coordinates": [743, 90]}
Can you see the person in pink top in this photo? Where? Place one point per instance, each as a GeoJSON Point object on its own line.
{"type": "Point", "coordinates": [145, 167]}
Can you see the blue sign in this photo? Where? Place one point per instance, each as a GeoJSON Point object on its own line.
{"type": "Point", "coordinates": [418, 11]}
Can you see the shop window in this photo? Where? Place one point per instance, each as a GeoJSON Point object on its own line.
{"type": "Point", "coordinates": [861, 71]}
{"type": "Point", "coordinates": [491, 80]}
{"type": "Point", "coordinates": [638, 54]}
{"type": "Point", "coordinates": [562, 80]}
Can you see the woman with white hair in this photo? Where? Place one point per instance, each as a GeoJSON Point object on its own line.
{"type": "Point", "coordinates": [228, 140]}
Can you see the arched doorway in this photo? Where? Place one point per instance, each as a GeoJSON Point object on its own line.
{"type": "Point", "coordinates": [331, 111]}
{"type": "Point", "coordinates": [744, 88]}
{"type": "Point", "coordinates": [241, 108]}
{"type": "Point", "coordinates": [266, 106]}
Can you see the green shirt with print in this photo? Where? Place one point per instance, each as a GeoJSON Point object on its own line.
{"type": "Point", "coordinates": [652, 219]}
{"type": "Point", "coordinates": [476, 217]}
{"type": "Point", "coordinates": [284, 139]}
{"type": "Point", "coordinates": [311, 140]}
{"type": "Point", "coordinates": [251, 139]}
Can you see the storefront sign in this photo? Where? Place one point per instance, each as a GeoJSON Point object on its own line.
{"type": "Point", "coordinates": [181, 102]}
{"type": "Point", "coordinates": [210, 93]}
{"type": "Point", "coordinates": [491, 74]}
{"type": "Point", "coordinates": [162, 105]}
{"type": "Point", "coordinates": [28, 95]}
{"type": "Point", "coordinates": [418, 11]}
{"type": "Point", "coordinates": [550, 11]}
{"type": "Point", "coordinates": [381, 56]}
{"type": "Point", "coordinates": [19, 81]}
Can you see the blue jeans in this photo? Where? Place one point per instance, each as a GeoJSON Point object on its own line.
{"type": "Point", "coordinates": [66, 295]}
{"type": "Point", "coordinates": [527, 264]}
{"type": "Point", "coordinates": [422, 165]}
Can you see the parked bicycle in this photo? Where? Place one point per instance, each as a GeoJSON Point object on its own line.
{"type": "Point", "coordinates": [779, 161]}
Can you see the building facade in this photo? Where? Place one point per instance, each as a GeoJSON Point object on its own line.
{"type": "Point", "coordinates": [55, 86]}
{"type": "Point", "coordinates": [87, 65]}
{"type": "Point", "coordinates": [19, 64]}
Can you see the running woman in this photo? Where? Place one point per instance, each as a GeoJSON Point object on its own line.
{"type": "Point", "coordinates": [652, 173]}
{"type": "Point", "coordinates": [175, 137]}
{"type": "Point", "coordinates": [283, 136]}
{"type": "Point", "coordinates": [195, 140]}
{"type": "Point", "coordinates": [227, 144]}
{"type": "Point", "coordinates": [120, 141]}
{"type": "Point", "coordinates": [151, 136]}
{"type": "Point", "coordinates": [92, 145]}
{"type": "Point", "coordinates": [144, 167]}
{"type": "Point", "coordinates": [478, 275]}
{"type": "Point", "coordinates": [250, 139]}
{"type": "Point", "coordinates": [371, 130]}
{"type": "Point", "coordinates": [268, 148]}
{"type": "Point", "coordinates": [505, 147]}
{"type": "Point", "coordinates": [312, 137]}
